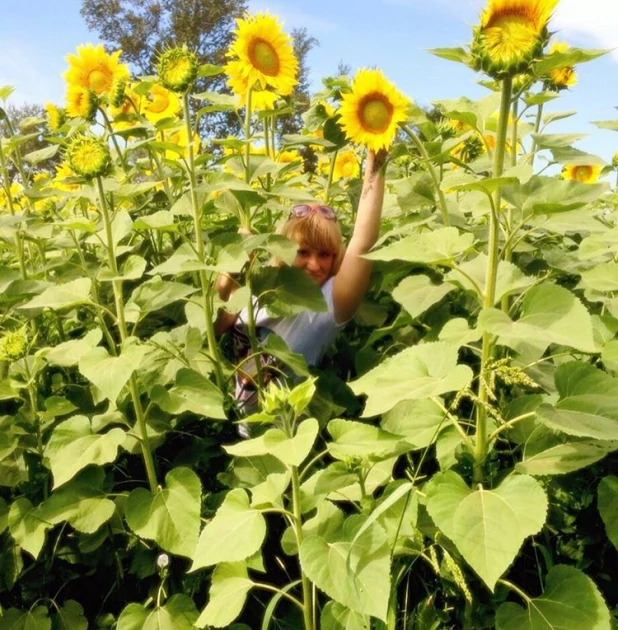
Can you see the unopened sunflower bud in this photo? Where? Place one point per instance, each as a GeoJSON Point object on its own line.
{"type": "Point", "coordinates": [117, 92]}
{"type": "Point", "coordinates": [55, 116]}
{"type": "Point", "coordinates": [177, 68]}
{"type": "Point", "coordinates": [89, 156]}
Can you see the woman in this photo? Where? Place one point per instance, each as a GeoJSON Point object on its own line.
{"type": "Point", "coordinates": [342, 274]}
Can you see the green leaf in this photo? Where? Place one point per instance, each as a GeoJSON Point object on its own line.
{"type": "Point", "coordinates": [418, 293]}
{"type": "Point", "coordinates": [565, 458]}
{"type": "Point", "coordinates": [27, 527]}
{"type": "Point", "coordinates": [608, 506]}
{"type": "Point", "coordinates": [436, 247]}
{"type": "Point", "coordinates": [81, 502]}
{"type": "Point", "coordinates": [588, 403]}
{"type": "Point", "coordinates": [70, 616]}
{"type": "Point", "coordinates": [553, 140]}
{"type": "Point", "coordinates": [230, 584]}
{"type": "Point", "coordinates": [423, 371]}
{"type": "Point", "coordinates": [171, 517]}
{"type": "Point", "coordinates": [488, 527]}
{"type": "Point", "coordinates": [472, 276]}
{"type": "Point", "coordinates": [550, 314]}
{"type": "Point", "coordinates": [62, 295]}
{"type": "Point", "coordinates": [570, 57]}
{"type": "Point", "coordinates": [34, 157]}
{"type": "Point", "coordinates": [452, 54]}
{"type": "Point", "coordinates": [603, 277]}
{"type": "Point", "coordinates": [355, 574]}
{"type": "Point", "coordinates": [287, 291]}
{"type": "Point", "coordinates": [418, 421]}
{"type": "Point", "coordinates": [132, 269]}
{"type": "Point", "coordinates": [335, 616]}
{"type": "Point", "coordinates": [235, 533]}
{"type": "Point", "coordinates": [70, 352]}
{"type": "Point", "coordinates": [178, 613]}
{"type": "Point", "coordinates": [161, 220]}
{"type": "Point", "coordinates": [570, 601]}
{"type": "Point", "coordinates": [192, 392]}
{"type": "Point", "coordinates": [73, 446]}
{"type": "Point", "coordinates": [357, 439]}
{"type": "Point", "coordinates": [156, 294]}
{"type": "Point", "coordinates": [33, 619]}
{"type": "Point", "coordinates": [111, 374]}
{"type": "Point", "coordinates": [270, 492]}
{"type": "Point", "coordinates": [292, 451]}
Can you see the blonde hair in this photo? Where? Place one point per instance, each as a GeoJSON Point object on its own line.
{"type": "Point", "coordinates": [316, 232]}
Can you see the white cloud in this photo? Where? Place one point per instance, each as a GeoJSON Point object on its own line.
{"type": "Point", "coordinates": [593, 23]}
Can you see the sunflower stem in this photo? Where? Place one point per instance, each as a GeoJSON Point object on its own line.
{"type": "Point", "coordinates": [418, 143]}
{"type": "Point", "coordinates": [537, 127]}
{"type": "Point", "coordinates": [122, 329]}
{"type": "Point", "coordinates": [331, 174]}
{"type": "Point", "coordinates": [481, 437]}
{"type": "Point", "coordinates": [205, 280]}
{"type": "Point", "coordinates": [245, 218]}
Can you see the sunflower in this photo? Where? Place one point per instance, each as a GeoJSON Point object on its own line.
{"type": "Point", "coordinates": [264, 54]}
{"type": "Point", "coordinates": [55, 116]}
{"type": "Point", "coordinates": [511, 34]}
{"type": "Point", "coordinates": [180, 139]}
{"type": "Point", "coordinates": [82, 102]}
{"type": "Point", "coordinates": [89, 156]}
{"type": "Point", "coordinates": [260, 99]}
{"type": "Point", "coordinates": [160, 103]}
{"type": "Point", "coordinates": [94, 69]}
{"type": "Point", "coordinates": [371, 112]}
{"type": "Point", "coordinates": [346, 166]}
{"type": "Point", "coordinates": [560, 78]}
{"type": "Point", "coordinates": [16, 201]}
{"type": "Point", "coordinates": [585, 173]}
{"type": "Point", "coordinates": [177, 68]}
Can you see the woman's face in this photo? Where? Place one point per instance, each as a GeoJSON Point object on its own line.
{"type": "Point", "coordinates": [316, 263]}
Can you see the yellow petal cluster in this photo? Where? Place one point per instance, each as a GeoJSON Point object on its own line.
{"type": "Point", "coordinates": [585, 173]}
{"type": "Point", "coordinates": [94, 69]}
{"type": "Point", "coordinates": [261, 57]}
{"type": "Point", "coordinates": [160, 103]}
{"type": "Point", "coordinates": [511, 34]}
{"type": "Point", "coordinates": [371, 112]}
{"type": "Point", "coordinates": [346, 166]}
{"type": "Point", "coordinates": [560, 78]}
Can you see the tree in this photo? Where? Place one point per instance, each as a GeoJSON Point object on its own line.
{"type": "Point", "coordinates": [143, 28]}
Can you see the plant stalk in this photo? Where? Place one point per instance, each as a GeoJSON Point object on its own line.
{"type": "Point", "coordinates": [490, 288]}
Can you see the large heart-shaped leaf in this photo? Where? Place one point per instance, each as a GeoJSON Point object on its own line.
{"type": "Point", "coordinates": [27, 527]}
{"type": "Point", "coordinates": [418, 293]}
{"type": "Point", "coordinates": [487, 526]}
{"type": "Point", "coordinates": [178, 613]}
{"type": "Point", "coordinates": [70, 352]}
{"type": "Point", "coordinates": [418, 421]}
{"type": "Point", "coordinates": [81, 502]}
{"type": "Point", "coordinates": [33, 619]}
{"type": "Point", "coordinates": [235, 533]}
{"type": "Point", "coordinates": [423, 371]}
{"type": "Point", "coordinates": [292, 451]}
{"type": "Point", "coordinates": [550, 314]}
{"type": "Point", "coordinates": [70, 616]}
{"type": "Point", "coordinates": [337, 617]}
{"type": "Point", "coordinates": [354, 571]}
{"type": "Point", "coordinates": [588, 404]}
{"type": "Point", "coordinates": [229, 586]}
{"type": "Point", "coordinates": [565, 457]}
{"type": "Point", "coordinates": [171, 517]}
{"type": "Point", "coordinates": [73, 446]}
{"type": "Point", "coordinates": [608, 506]}
{"type": "Point", "coordinates": [357, 439]}
{"type": "Point", "coordinates": [110, 374]}
{"type": "Point", "coordinates": [571, 601]}
{"type": "Point", "coordinates": [62, 295]}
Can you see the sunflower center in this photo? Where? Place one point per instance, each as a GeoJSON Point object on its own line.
{"type": "Point", "coordinates": [159, 103]}
{"type": "Point", "coordinates": [375, 112]}
{"type": "Point", "coordinates": [264, 57]}
{"type": "Point", "coordinates": [582, 173]}
{"type": "Point", "coordinates": [510, 38]}
{"type": "Point", "coordinates": [99, 80]}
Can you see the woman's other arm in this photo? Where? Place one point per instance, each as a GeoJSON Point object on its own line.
{"type": "Point", "coordinates": [352, 280]}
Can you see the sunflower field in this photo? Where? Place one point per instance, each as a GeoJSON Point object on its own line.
{"type": "Point", "coordinates": [451, 464]}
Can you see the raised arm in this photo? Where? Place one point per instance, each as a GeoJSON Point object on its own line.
{"type": "Point", "coordinates": [352, 280]}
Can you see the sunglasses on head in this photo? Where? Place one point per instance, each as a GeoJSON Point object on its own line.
{"type": "Point", "coordinates": [304, 210]}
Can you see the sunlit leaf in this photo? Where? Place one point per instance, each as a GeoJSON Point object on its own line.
{"type": "Point", "coordinates": [608, 506]}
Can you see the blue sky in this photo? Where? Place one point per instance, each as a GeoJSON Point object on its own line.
{"type": "Point", "coordinates": [394, 35]}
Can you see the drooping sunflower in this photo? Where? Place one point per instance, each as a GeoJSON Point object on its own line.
{"type": "Point", "coordinates": [560, 78]}
{"type": "Point", "coordinates": [81, 101]}
{"type": "Point", "coordinates": [511, 34]}
{"type": "Point", "coordinates": [94, 69]}
{"type": "Point", "coordinates": [585, 173]}
{"type": "Point", "coordinates": [346, 166]}
{"type": "Point", "coordinates": [264, 54]}
{"type": "Point", "coordinates": [261, 99]}
{"type": "Point", "coordinates": [160, 103]}
{"type": "Point", "coordinates": [371, 112]}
